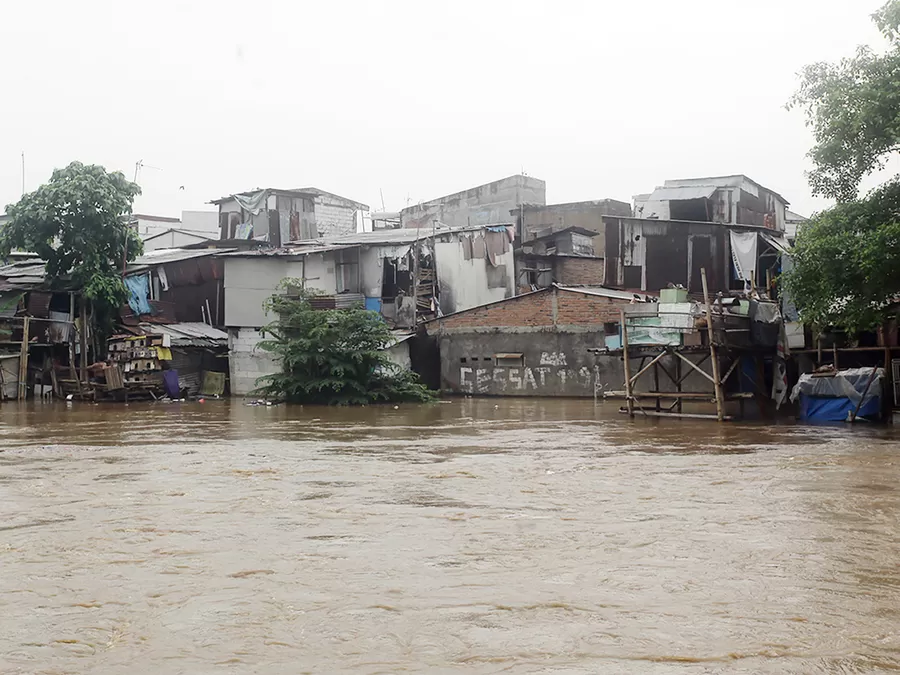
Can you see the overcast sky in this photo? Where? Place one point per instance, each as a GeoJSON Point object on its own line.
{"type": "Point", "coordinates": [412, 98]}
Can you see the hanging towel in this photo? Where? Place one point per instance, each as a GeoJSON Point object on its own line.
{"type": "Point", "coordinates": [138, 292]}
{"type": "Point", "coordinates": [170, 383]}
{"type": "Point", "coordinates": [743, 253]}
{"type": "Point", "coordinates": [244, 231]}
{"type": "Point", "coordinates": [466, 242]}
{"type": "Point", "coordinates": [479, 250]}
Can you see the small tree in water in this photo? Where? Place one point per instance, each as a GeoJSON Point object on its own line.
{"type": "Point", "coordinates": [332, 356]}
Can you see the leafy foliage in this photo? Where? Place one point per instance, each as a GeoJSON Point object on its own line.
{"type": "Point", "coordinates": [847, 262]}
{"type": "Point", "coordinates": [853, 107]}
{"type": "Point", "coordinates": [333, 356]}
{"type": "Point", "coordinates": [77, 222]}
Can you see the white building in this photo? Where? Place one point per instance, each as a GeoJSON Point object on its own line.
{"type": "Point", "coordinates": [204, 224]}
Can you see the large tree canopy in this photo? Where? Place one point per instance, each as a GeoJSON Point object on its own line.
{"type": "Point", "coordinates": [853, 107]}
{"type": "Point", "coordinates": [847, 262]}
{"type": "Point", "coordinates": [78, 223]}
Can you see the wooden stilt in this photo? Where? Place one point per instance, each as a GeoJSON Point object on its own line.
{"type": "Point", "coordinates": [629, 401]}
{"type": "Point", "coordinates": [713, 355]}
{"type": "Point", "coordinates": [23, 360]}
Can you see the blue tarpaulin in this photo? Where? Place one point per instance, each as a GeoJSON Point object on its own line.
{"type": "Point", "coordinates": [138, 293]}
{"type": "Point", "coordinates": [821, 409]}
{"type": "Point", "coordinates": [373, 304]}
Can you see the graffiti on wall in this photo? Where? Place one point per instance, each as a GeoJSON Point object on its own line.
{"type": "Point", "coordinates": [550, 379]}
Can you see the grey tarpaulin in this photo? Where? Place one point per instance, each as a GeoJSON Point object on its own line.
{"type": "Point", "coordinates": [848, 384]}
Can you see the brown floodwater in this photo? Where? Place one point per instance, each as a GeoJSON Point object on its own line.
{"type": "Point", "coordinates": [481, 536]}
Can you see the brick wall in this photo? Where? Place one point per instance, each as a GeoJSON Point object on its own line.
{"type": "Point", "coordinates": [536, 310]}
{"type": "Point", "coordinates": [246, 361]}
{"type": "Point", "coordinates": [333, 220]}
{"type": "Point", "coordinates": [579, 309]}
{"type": "Point", "coordinates": [577, 271]}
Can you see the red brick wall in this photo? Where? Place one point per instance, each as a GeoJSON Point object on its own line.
{"type": "Point", "coordinates": [579, 309]}
{"type": "Point", "coordinates": [535, 309]}
{"type": "Point", "coordinates": [580, 271]}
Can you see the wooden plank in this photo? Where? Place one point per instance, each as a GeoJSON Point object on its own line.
{"type": "Point", "coordinates": [698, 395]}
{"type": "Point", "coordinates": [643, 370]}
{"type": "Point", "coordinates": [695, 367]}
{"type": "Point", "coordinates": [693, 416]}
{"type": "Point", "coordinates": [23, 360]}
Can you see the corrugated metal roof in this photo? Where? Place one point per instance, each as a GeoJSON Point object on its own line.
{"type": "Point", "coordinates": [191, 334]}
{"type": "Point", "coordinates": [666, 194]}
{"type": "Point", "coordinates": [288, 251]}
{"type": "Point", "coordinates": [604, 292]}
{"type": "Point", "coordinates": [170, 255]}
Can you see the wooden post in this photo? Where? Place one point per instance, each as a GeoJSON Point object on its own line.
{"type": "Point", "coordinates": [629, 403]}
{"type": "Point", "coordinates": [834, 355]}
{"type": "Point", "coordinates": [23, 360]}
{"type": "Point", "coordinates": [84, 343]}
{"type": "Point", "coordinates": [713, 354]}
{"type": "Point", "coordinates": [656, 385]}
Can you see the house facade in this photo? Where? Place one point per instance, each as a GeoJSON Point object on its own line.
{"type": "Point", "coordinates": [282, 216]}
{"type": "Point", "coordinates": [564, 257]}
{"type": "Point", "coordinates": [731, 200]}
{"type": "Point", "coordinates": [536, 220]}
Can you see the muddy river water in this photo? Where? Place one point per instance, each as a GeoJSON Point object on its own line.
{"type": "Point", "coordinates": [479, 536]}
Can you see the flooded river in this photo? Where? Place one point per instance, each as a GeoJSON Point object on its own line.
{"type": "Point", "coordinates": [479, 536]}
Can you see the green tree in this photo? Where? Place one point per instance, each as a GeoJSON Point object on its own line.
{"type": "Point", "coordinates": [78, 223]}
{"type": "Point", "coordinates": [332, 357]}
{"type": "Point", "coordinates": [847, 259]}
{"type": "Point", "coordinates": [853, 108]}
{"type": "Point", "coordinates": [847, 262]}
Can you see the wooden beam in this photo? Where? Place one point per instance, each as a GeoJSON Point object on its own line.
{"type": "Point", "coordinates": [693, 416]}
{"type": "Point", "coordinates": [694, 366]}
{"type": "Point", "coordinates": [717, 381]}
{"type": "Point", "coordinates": [23, 360]}
{"type": "Point", "coordinates": [643, 370]}
{"type": "Point", "coordinates": [628, 385]}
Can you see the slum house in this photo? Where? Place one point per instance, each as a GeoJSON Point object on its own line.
{"type": "Point", "coordinates": [730, 200]}
{"type": "Point", "coordinates": [45, 340]}
{"type": "Point", "coordinates": [536, 344]}
{"type": "Point", "coordinates": [482, 205]}
{"type": "Point", "coordinates": [649, 254]}
{"type": "Point", "coordinates": [281, 216]}
{"type": "Point", "coordinates": [182, 293]}
{"type": "Point", "coordinates": [407, 275]}
{"type": "Point", "coordinates": [563, 257]}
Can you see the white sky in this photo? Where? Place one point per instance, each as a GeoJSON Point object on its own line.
{"type": "Point", "coordinates": [415, 98]}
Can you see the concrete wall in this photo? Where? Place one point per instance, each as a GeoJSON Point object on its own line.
{"type": "Point", "coordinates": [482, 205]}
{"type": "Point", "coordinates": [469, 283]}
{"type": "Point", "coordinates": [246, 362]}
{"type": "Point", "coordinates": [543, 220]}
{"type": "Point", "coordinates": [204, 222]}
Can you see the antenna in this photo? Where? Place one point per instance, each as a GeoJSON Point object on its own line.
{"type": "Point", "coordinates": [138, 165]}
{"type": "Point", "coordinates": [381, 192]}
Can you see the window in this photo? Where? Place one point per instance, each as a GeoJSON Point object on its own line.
{"type": "Point", "coordinates": [509, 360]}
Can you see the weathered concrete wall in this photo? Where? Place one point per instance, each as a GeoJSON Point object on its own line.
{"type": "Point", "coordinates": [469, 283]}
{"type": "Point", "coordinates": [483, 205]}
{"type": "Point", "coordinates": [553, 363]}
{"type": "Point", "coordinates": [584, 271]}
{"type": "Point", "coordinates": [542, 220]}
{"type": "Point", "coordinates": [246, 362]}
{"type": "Point", "coordinates": [250, 281]}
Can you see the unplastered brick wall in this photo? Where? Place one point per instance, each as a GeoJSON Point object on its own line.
{"type": "Point", "coordinates": [580, 271]}
{"type": "Point", "coordinates": [532, 310]}
{"type": "Point", "coordinates": [574, 308]}
{"type": "Point", "coordinates": [333, 219]}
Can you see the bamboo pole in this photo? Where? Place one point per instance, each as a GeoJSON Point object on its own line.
{"type": "Point", "coordinates": [629, 402]}
{"type": "Point", "coordinates": [713, 353]}
{"type": "Point", "coordinates": [23, 360]}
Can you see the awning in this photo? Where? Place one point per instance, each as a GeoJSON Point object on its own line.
{"type": "Point", "coordinates": [672, 194]}
{"type": "Point", "coordinates": [779, 244]}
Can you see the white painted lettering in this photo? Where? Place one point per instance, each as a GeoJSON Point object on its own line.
{"type": "Point", "coordinates": [482, 380]}
{"type": "Point", "coordinates": [499, 380]}
{"type": "Point", "coordinates": [464, 384]}
{"type": "Point", "coordinates": [529, 379]}
{"type": "Point", "coordinates": [553, 359]}
{"type": "Point", "coordinates": [514, 378]}
{"type": "Point", "coordinates": [542, 375]}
